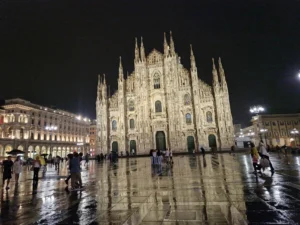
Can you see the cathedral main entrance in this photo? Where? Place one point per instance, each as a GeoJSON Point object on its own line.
{"type": "Point", "coordinates": [212, 141]}
{"type": "Point", "coordinates": [160, 140]}
{"type": "Point", "coordinates": [132, 146]}
{"type": "Point", "coordinates": [190, 144]}
{"type": "Point", "coordinates": [114, 146]}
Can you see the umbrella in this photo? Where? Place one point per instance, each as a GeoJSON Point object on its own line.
{"type": "Point", "coordinates": [15, 152]}
{"type": "Point", "coordinates": [44, 154]}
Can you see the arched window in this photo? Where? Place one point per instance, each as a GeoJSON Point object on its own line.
{"type": "Point", "coordinates": [187, 99]}
{"type": "Point", "coordinates": [114, 125]}
{"type": "Point", "coordinates": [131, 123]}
{"type": "Point", "coordinates": [131, 106]}
{"type": "Point", "coordinates": [156, 81]}
{"type": "Point", "coordinates": [188, 118]}
{"type": "Point", "coordinates": [209, 118]}
{"type": "Point", "coordinates": [158, 106]}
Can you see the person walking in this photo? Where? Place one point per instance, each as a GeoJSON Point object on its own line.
{"type": "Point", "coordinates": [87, 157]}
{"type": "Point", "coordinates": [17, 168]}
{"type": "Point", "coordinates": [75, 172]}
{"type": "Point", "coordinates": [7, 171]}
{"type": "Point", "coordinates": [255, 158]}
{"type": "Point", "coordinates": [264, 154]}
{"type": "Point", "coordinates": [70, 157]}
{"type": "Point", "coordinates": [36, 169]}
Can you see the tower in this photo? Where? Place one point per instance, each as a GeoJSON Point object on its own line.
{"type": "Point", "coordinates": [122, 127]}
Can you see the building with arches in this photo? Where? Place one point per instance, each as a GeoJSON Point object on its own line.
{"type": "Point", "coordinates": [163, 105]}
{"type": "Point", "coordinates": [37, 129]}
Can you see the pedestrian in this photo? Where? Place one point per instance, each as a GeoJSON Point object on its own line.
{"type": "Point", "coordinates": [70, 157]}
{"type": "Point", "coordinates": [167, 156]}
{"type": "Point", "coordinates": [154, 157]}
{"type": "Point", "coordinates": [194, 153]}
{"type": "Point", "coordinates": [36, 169]}
{"type": "Point", "coordinates": [87, 159]}
{"type": "Point", "coordinates": [171, 156]}
{"type": "Point", "coordinates": [159, 157]}
{"type": "Point", "coordinates": [17, 168]}
{"type": "Point", "coordinates": [232, 149]}
{"type": "Point", "coordinates": [202, 151]}
{"type": "Point", "coordinates": [7, 171]}
{"type": "Point", "coordinates": [255, 158]}
{"type": "Point", "coordinates": [264, 154]}
{"type": "Point", "coordinates": [75, 172]}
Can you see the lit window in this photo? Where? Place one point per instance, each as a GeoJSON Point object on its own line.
{"type": "Point", "coordinates": [188, 118]}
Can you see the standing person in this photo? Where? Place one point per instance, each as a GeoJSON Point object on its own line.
{"type": "Point", "coordinates": [171, 156]}
{"type": "Point", "coordinates": [264, 154]}
{"type": "Point", "coordinates": [87, 159]}
{"type": "Point", "coordinates": [202, 151]}
{"type": "Point", "coordinates": [255, 157]}
{"type": "Point", "coordinates": [154, 157]}
{"type": "Point", "coordinates": [167, 156]}
{"type": "Point", "coordinates": [17, 168]}
{"type": "Point", "coordinates": [7, 171]}
{"type": "Point", "coordinates": [75, 172]}
{"type": "Point", "coordinates": [70, 157]}
{"type": "Point", "coordinates": [36, 169]}
{"type": "Point", "coordinates": [232, 149]}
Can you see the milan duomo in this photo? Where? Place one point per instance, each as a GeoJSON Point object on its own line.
{"type": "Point", "coordinates": [163, 105]}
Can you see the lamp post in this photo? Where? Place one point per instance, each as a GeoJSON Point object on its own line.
{"type": "Point", "coordinates": [295, 133]}
{"type": "Point", "coordinates": [256, 109]}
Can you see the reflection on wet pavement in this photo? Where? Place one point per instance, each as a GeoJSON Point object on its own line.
{"type": "Point", "coordinates": [217, 189]}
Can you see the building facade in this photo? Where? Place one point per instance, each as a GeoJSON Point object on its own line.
{"type": "Point", "coordinates": [36, 129]}
{"type": "Point", "coordinates": [93, 137]}
{"type": "Point", "coordinates": [275, 129]}
{"type": "Point", "coordinates": [163, 105]}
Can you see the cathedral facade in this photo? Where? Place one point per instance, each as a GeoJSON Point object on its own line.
{"type": "Point", "coordinates": [162, 105]}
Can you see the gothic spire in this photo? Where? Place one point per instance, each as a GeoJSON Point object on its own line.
{"type": "Point", "coordinates": [104, 81]}
{"type": "Point", "coordinates": [215, 74]}
{"type": "Point", "coordinates": [99, 87]}
{"type": "Point", "coordinates": [121, 74]}
{"type": "Point", "coordinates": [143, 56]}
{"type": "Point", "coordinates": [136, 51]}
{"type": "Point", "coordinates": [172, 45]}
{"type": "Point", "coordinates": [192, 58]}
{"type": "Point", "coordinates": [221, 72]}
{"type": "Point", "coordinates": [166, 46]}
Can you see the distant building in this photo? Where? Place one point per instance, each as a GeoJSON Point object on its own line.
{"type": "Point", "coordinates": [93, 137]}
{"type": "Point", "coordinates": [163, 105]}
{"type": "Point", "coordinates": [37, 129]}
{"type": "Point", "coordinates": [273, 129]}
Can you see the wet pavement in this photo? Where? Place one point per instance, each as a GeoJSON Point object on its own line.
{"type": "Point", "coordinates": [219, 189]}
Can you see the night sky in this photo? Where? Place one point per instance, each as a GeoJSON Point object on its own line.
{"type": "Point", "coordinates": [52, 51]}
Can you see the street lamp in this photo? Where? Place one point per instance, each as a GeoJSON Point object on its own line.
{"type": "Point", "coordinates": [295, 132]}
{"type": "Point", "coordinates": [257, 109]}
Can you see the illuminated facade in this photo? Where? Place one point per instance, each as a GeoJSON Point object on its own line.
{"type": "Point", "coordinates": [93, 131]}
{"type": "Point", "coordinates": [276, 129]}
{"type": "Point", "coordinates": [163, 105]}
{"type": "Point", "coordinates": [36, 129]}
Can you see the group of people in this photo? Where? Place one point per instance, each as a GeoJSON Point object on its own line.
{"type": "Point", "coordinates": [9, 168]}
{"type": "Point", "coordinates": [157, 157]}
{"type": "Point", "coordinates": [260, 158]}
{"type": "Point", "coordinates": [75, 170]}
